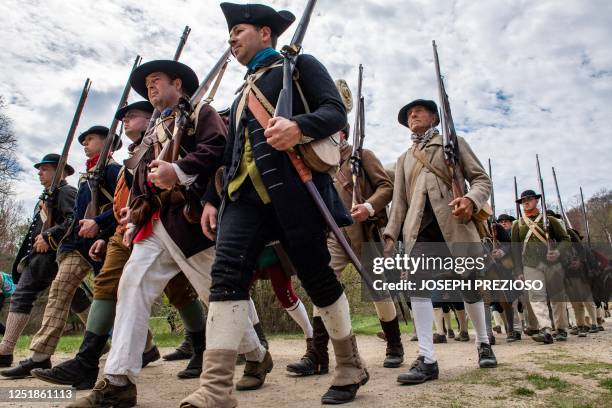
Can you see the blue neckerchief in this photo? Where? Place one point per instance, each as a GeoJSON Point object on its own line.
{"type": "Point", "coordinates": [260, 57]}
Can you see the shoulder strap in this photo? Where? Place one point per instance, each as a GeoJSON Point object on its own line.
{"type": "Point", "coordinates": [420, 156]}
{"type": "Point", "coordinates": [534, 229]}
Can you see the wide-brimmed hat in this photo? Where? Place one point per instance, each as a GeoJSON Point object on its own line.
{"type": "Point", "coordinates": [402, 116]}
{"type": "Point", "coordinates": [505, 217]}
{"type": "Point", "coordinates": [144, 106]}
{"type": "Point", "coordinates": [170, 67]}
{"type": "Point", "coordinates": [528, 194]}
{"type": "Point", "coordinates": [54, 158]}
{"type": "Point", "coordinates": [258, 15]}
{"type": "Point", "coordinates": [101, 131]}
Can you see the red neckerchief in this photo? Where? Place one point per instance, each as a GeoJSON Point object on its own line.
{"type": "Point", "coordinates": [91, 162]}
{"type": "Point", "coordinates": [532, 213]}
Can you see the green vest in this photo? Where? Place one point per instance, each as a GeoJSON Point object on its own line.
{"type": "Point", "coordinates": [247, 168]}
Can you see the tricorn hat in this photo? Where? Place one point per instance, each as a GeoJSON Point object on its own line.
{"type": "Point", "coordinates": [258, 15]}
{"type": "Point", "coordinates": [144, 106]}
{"type": "Point", "coordinates": [505, 217]}
{"type": "Point", "coordinates": [173, 68]}
{"type": "Point", "coordinates": [402, 116]}
{"type": "Point", "coordinates": [528, 194]}
{"type": "Point", "coordinates": [54, 158]}
{"type": "Point", "coordinates": [102, 131]}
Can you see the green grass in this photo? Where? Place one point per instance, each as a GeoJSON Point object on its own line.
{"type": "Point", "coordinates": [542, 383]}
{"type": "Point", "coordinates": [606, 383]}
{"type": "Point", "coordinates": [523, 392]}
{"type": "Point", "coordinates": [362, 324]}
{"type": "Point", "coordinates": [589, 369]}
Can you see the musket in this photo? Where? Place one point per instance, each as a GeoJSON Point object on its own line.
{"type": "Point", "coordinates": [50, 193]}
{"type": "Point", "coordinates": [516, 197]}
{"type": "Point", "coordinates": [587, 230]}
{"type": "Point", "coordinates": [170, 151]}
{"type": "Point", "coordinates": [449, 135]}
{"type": "Point", "coordinates": [177, 55]}
{"type": "Point", "coordinates": [284, 107]}
{"type": "Point", "coordinates": [96, 176]}
{"type": "Point", "coordinates": [493, 215]}
{"type": "Point", "coordinates": [545, 222]}
{"type": "Point", "coordinates": [358, 136]}
{"type": "Point", "coordinates": [563, 214]}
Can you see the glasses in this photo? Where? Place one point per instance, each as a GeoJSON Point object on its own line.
{"type": "Point", "coordinates": [131, 116]}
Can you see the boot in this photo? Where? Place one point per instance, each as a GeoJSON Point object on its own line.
{"type": "Point", "coordinates": [183, 352]}
{"type": "Point", "coordinates": [6, 360]}
{"type": "Point", "coordinates": [260, 333]}
{"type": "Point", "coordinates": [582, 331]}
{"type": "Point", "coordinates": [350, 372]}
{"type": "Point", "coordinates": [255, 373]}
{"type": "Point", "coordinates": [104, 394]}
{"type": "Point", "coordinates": [395, 350]}
{"type": "Point", "coordinates": [592, 329]}
{"type": "Point", "coordinates": [420, 372]}
{"type": "Point", "coordinates": [82, 371]}
{"type": "Point", "coordinates": [450, 334]}
{"type": "Point", "coordinates": [439, 338]}
{"type": "Point", "coordinates": [150, 356]}
{"type": "Point", "coordinates": [216, 382]}
{"type": "Point", "coordinates": [561, 335]}
{"type": "Point", "coordinates": [513, 336]}
{"type": "Point", "coordinates": [24, 368]}
{"type": "Point", "coordinates": [575, 330]}
{"type": "Point", "coordinates": [463, 336]}
{"type": "Point", "coordinates": [194, 367]}
{"type": "Point", "coordinates": [316, 359]}
{"type": "Point", "coordinates": [486, 357]}
{"type": "Point", "coordinates": [543, 336]}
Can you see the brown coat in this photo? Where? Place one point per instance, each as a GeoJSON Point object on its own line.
{"type": "Point", "coordinates": [376, 188]}
{"type": "Point", "coordinates": [407, 208]}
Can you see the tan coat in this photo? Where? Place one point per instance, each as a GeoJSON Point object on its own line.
{"type": "Point", "coordinates": [376, 189]}
{"type": "Point", "coordinates": [407, 208]}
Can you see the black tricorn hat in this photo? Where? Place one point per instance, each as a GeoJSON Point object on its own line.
{"type": "Point", "coordinates": [102, 131]}
{"type": "Point", "coordinates": [144, 106]}
{"type": "Point", "coordinates": [54, 158]}
{"type": "Point", "coordinates": [551, 213]}
{"type": "Point", "coordinates": [402, 116]}
{"type": "Point", "coordinates": [173, 68]}
{"type": "Point", "coordinates": [505, 217]}
{"type": "Point", "coordinates": [528, 194]}
{"type": "Point", "coordinates": [258, 15]}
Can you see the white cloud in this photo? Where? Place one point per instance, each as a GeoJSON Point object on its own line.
{"type": "Point", "coordinates": [523, 77]}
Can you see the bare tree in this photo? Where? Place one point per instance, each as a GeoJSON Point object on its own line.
{"type": "Point", "coordinates": [9, 167]}
{"type": "Point", "coordinates": [13, 227]}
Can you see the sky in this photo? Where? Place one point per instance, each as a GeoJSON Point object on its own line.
{"type": "Point", "coordinates": [523, 77]}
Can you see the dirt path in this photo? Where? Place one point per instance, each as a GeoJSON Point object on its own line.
{"type": "Point", "coordinates": [523, 378]}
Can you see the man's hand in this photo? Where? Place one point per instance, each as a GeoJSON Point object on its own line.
{"type": "Point", "coordinates": [553, 255]}
{"type": "Point", "coordinates": [282, 134]}
{"type": "Point", "coordinates": [209, 221]}
{"type": "Point", "coordinates": [89, 228]}
{"type": "Point", "coordinates": [40, 245]}
{"type": "Point", "coordinates": [498, 253]}
{"type": "Point", "coordinates": [463, 208]}
{"type": "Point", "coordinates": [128, 235]}
{"type": "Point", "coordinates": [97, 250]}
{"type": "Point", "coordinates": [162, 174]}
{"type": "Point", "coordinates": [124, 213]}
{"type": "Point", "coordinates": [360, 213]}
